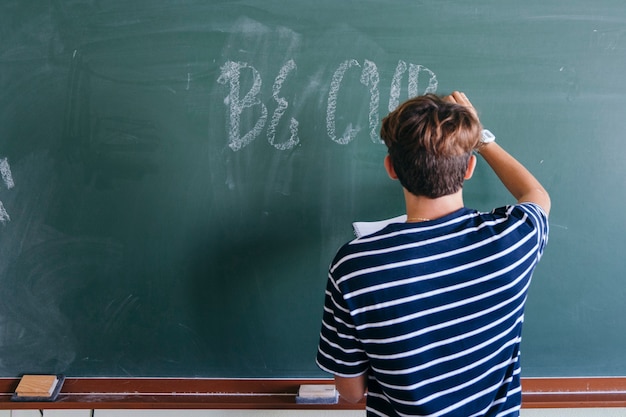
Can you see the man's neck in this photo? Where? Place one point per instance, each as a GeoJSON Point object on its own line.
{"type": "Point", "coordinates": [420, 208]}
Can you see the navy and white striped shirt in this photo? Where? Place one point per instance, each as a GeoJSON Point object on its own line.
{"type": "Point", "coordinates": [433, 312]}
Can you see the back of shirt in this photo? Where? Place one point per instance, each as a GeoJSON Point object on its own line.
{"type": "Point", "coordinates": [433, 312]}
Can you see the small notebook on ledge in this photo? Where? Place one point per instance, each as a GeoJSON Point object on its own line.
{"type": "Point", "coordinates": [367, 228]}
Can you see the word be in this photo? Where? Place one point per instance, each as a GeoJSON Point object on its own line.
{"type": "Point", "coordinates": [231, 73]}
{"type": "Point", "coordinates": [7, 178]}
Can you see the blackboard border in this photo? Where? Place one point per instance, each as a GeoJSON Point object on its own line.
{"type": "Point", "coordinates": [201, 393]}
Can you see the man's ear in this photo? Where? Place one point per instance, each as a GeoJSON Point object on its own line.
{"type": "Point", "coordinates": [389, 168]}
{"type": "Point", "coordinates": [471, 165]}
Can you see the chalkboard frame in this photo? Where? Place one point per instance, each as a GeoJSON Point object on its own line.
{"type": "Point", "coordinates": [547, 85]}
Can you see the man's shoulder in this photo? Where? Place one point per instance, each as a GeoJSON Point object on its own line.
{"type": "Point", "coordinates": [522, 210]}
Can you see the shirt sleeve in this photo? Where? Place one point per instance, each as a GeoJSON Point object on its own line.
{"type": "Point", "coordinates": [339, 352]}
{"type": "Point", "coordinates": [539, 219]}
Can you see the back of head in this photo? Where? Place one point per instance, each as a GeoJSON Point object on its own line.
{"type": "Point", "coordinates": [430, 142]}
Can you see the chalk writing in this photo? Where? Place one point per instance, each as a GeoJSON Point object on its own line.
{"type": "Point", "coordinates": [370, 78]}
{"type": "Point", "coordinates": [7, 178]}
{"type": "Point", "coordinates": [231, 73]}
{"type": "Point", "coordinates": [350, 132]}
{"type": "Point", "coordinates": [414, 72]}
{"type": "Point", "coordinates": [282, 105]}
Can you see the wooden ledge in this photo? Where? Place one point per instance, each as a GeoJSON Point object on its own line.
{"type": "Point", "coordinates": [199, 393]}
{"type": "Point", "coordinates": [173, 393]}
{"type": "Point", "coordinates": [573, 392]}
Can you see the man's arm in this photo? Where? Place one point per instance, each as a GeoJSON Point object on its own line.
{"type": "Point", "coordinates": [352, 389]}
{"type": "Point", "coordinates": [515, 177]}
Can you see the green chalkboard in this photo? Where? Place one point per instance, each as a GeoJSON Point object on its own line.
{"type": "Point", "coordinates": [177, 175]}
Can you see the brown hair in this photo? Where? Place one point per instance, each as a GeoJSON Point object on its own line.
{"type": "Point", "coordinates": [430, 142]}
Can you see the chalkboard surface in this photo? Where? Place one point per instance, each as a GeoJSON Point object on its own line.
{"type": "Point", "coordinates": [177, 175]}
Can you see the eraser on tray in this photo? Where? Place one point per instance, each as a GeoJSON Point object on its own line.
{"type": "Point", "coordinates": [317, 394]}
{"type": "Point", "coordinates": [38, 388]}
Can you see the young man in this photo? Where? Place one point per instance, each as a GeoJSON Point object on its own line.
{"type": "Point", "coordinates": [426, 316]}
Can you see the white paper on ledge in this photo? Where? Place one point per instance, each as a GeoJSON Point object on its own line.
{"type": "Point", "coordinates": [367, 228]}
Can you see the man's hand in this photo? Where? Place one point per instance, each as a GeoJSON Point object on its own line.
{"type": "Point", "coordinates": [460, 98]}
{"type": "Point", "coordinates": [515, 177]}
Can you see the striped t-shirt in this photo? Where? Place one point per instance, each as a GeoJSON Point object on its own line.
{"type": "Point", "coordinates": [433, 312]}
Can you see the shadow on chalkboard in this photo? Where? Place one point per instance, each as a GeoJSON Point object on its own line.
{"type": "Point", "coordinates": [250, 301]}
